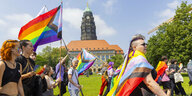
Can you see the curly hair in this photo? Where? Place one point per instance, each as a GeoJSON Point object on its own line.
{"type": "Point", "coordinates": [6, 49]}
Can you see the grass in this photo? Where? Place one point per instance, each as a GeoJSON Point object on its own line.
{"type": "Point", "coordinates": [185, 84]}
{"type": "Point", "coordinates": [91, 85]}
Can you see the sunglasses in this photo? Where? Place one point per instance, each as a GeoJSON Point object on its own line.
{"type": "Point", "coordinates": [144, 44]}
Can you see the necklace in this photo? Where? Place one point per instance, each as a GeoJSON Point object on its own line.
{"type": "Point", "coordinates": [13, 64]}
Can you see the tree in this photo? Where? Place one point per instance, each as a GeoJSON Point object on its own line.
{"type": "Point", "coordinates": [50, 56]}
{"type": "Point", "coordinates": [117, 59]}
{"type": "Point", "coordinates": [173, 39]}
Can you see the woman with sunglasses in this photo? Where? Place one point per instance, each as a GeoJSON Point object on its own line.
{"type": "Point", "coordinates": [10, 71]}
{"type": "Point", "coordinates": [148, 86]}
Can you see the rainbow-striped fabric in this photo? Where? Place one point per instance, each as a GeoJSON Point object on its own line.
{"type": "Point", "coordinates": [38, 69]}
{"type": "Point", "coordinates": [131, 75]}
{"type": "Point", "coordinates": [86, 60]}
{"type": "Point", "coordinates": [180, 65]}
{"type": "Point", "coordinates": [161, 67]}
{"type": "Point", "coordinates": [43, 29]}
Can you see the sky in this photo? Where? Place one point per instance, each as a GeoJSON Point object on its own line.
{"type": "Point", "coordinates": [116, 20]}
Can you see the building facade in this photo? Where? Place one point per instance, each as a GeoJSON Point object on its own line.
{"type": "Point", "coordinates": [99, 48]}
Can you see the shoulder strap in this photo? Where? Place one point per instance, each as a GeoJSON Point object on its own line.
{"type": "Point", "coordinates": [4, 63]}
{"type": "Point", "coordinates": [72, 71]}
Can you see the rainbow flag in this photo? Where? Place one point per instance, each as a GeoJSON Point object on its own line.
{"type": "Point", "coordinates": [43, 29]}
{"type": "Point", "coordinates": [161, 67]}
{"type": "Point", "coordinates": [113, 89]}
{"type": "Point", "coordinates": [38, 69]}
{"type": "Point", "coordinates": [133, 73]}
{"type": "Point", "coordinates": [180, 65]}
{"type": "Point", "coordinates": [86, 60]}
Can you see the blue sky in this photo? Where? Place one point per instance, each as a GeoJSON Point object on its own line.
{"type": "Point", "coordinates": [116, 20]}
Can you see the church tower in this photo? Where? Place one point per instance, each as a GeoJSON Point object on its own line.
{"type": "Point", "coordinates": [88, 28]}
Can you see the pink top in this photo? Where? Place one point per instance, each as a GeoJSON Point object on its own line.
{"type": "Point", "coordinates": [165, 77]}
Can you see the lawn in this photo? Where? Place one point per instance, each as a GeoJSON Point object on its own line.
{"type": "Point", "coordinates": [91, 85]}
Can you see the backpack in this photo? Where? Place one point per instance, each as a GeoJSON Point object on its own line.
{"type": "Point", "coordinates": [65, 77]}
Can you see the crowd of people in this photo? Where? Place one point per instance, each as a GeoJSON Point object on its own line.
{"type": "Point", "coordinates": [17, 76]}
{"type": "Point", "coordinates": [150, 87]}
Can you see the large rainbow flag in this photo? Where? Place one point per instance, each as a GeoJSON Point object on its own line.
{"type": "Point", "coordinates": [161, 67]}
{"type": "Point", "coordinates": [86, 60]}
{"type": "Point", "coordinates": [133, 74]}
{"type": "Point", "coordinates": [43, 29]}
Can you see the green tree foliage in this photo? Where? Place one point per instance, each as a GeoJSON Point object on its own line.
{"type": "Point", "coordinates": [173, 39]}
{"type": "Point", "coordinates": [117, 59]}
{"type": "Point", "coordinates": [50, 56]}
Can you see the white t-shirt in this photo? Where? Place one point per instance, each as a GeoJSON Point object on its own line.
{"type": "Point", "coordinates": [74, 79]}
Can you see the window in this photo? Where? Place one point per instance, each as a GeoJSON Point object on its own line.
{"type": "Point", "coordinates": [107, 57]}
{"type": "Point", "coordinates": [103, 58]}
{"type": "Point", "coordinates": [98, 56]}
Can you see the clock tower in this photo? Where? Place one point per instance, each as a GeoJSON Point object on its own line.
{"type": "Point", "coordinates": [88, 28]}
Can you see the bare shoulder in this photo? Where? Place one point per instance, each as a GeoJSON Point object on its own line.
{"type": "Point", "coordinates": [2, 65]}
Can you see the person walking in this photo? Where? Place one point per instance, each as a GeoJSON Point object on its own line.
{"type": "Point", "coordinates": [165, 81]}
{"type": "Point", "coordinates": [73, 85]}
{"type": "Point", "coordinates": [177, 87]}
{"type": "Point", "coordinates": [147, 86]}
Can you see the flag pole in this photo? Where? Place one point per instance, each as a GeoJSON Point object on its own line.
{"type": "Point", "coordinates": [60, 68]}
{"type": "Point", "coordinates": [60, 54]}
{"type": "Point", "coordinates": [79, 84]}
{"type": "Point", "coordinates": [66, 49]}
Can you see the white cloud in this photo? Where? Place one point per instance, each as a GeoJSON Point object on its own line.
{"type": "Point", "coordinates": [19, 18]}
{"type": "Point", "coordinates": [74, 17]}
{"type": "Point", "coordinates": [174, 4]}
{"type": "Point", "coordinates": [109, 5]}
{"type": "Point", "coordinates": [2, 22]}
{"type": "Point", "coordinates": [102, 28]}
{"type": "Point", "coordinates": [14, 31]}
{"type": "Point", "coordinates": [167, 13]}
{"type": "Point", "coordinates": [12, 24]}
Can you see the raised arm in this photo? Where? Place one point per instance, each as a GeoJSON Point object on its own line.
{"type": "Point", "coordinates": [153, 86]}
{"type": "Point", "coordinates": [63, 60]}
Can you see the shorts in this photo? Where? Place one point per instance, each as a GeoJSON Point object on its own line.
{"type": "Point", "coordinates": [166, 85]}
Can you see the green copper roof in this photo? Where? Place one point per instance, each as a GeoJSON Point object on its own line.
{"type": "Point", "coordinates": [87, 9]}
